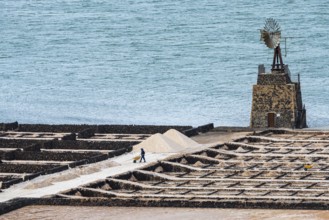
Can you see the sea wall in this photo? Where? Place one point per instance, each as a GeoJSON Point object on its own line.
{"type": "Point", "coordinates": [138, 129]}
{"type": "Point", "coordinates": [119, 129]}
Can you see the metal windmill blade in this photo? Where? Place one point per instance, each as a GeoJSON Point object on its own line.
{"type": "Point", "coordinates": [271, 34]}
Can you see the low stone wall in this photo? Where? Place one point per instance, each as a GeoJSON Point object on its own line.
{"type": "Point", "coordinates": [191, 132]}
{"type": "Point", "coordinates": [10, 155]}
{"type": "Point", "coordinates": [205, 128]}
{"type": "Point", "coordinates": [121, 129]}
{"type": "Point", "coordinates": [53, 156]}
{"type": "Point", "coordinates": [234, 129]}
{"type": "Point", "coordinates": [91, 145]}
{"type": "Point", "coordinates": [140, 202]}
{"type": "Point", "coordinates": [120, 151]}
{"type": "Point", "coordinates": [18, 143]}
{"type": "Point", "coordinates": [225, 203]}
{"type": "Point", "coordinates": [87, 133]}
{"type": "Point", "coordinates": [63, 128]}
{"type": "Point", "coordinates": [14, 204]}
{"type": "Point", "coordinates": [71, 137]}
{"type": "Point", "coordinates": [33, 147]}
{"type": "Point", "coordinates": [8, 126]}
{"type": "Point", "coordinates": [138, 129]}
{"type": "Point", "coordinates": [8, 183]}
{"type": "Point", "coordinates": [201, 129]}
{"type": "Point", "coordinates": [19, 168]}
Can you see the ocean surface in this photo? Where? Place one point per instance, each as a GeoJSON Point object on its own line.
{"type": "Point", "coordinates": [187, 62]}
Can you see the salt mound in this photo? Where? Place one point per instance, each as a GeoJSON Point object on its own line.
{"type": "Point", "coordinates": [225, 147]}
{"type": "Point", "coordinates": [303, 151]}
{"type": "Point", "coordinates": [242, 164]}
{"type": "Point", "coordinates": [246, 173]}
{"type": "Point", "coordinates": [133, 178]}
{"type": "Point", "coordinates": [221, 164]}
{"type": "Point", "coordinates": [240, 150]}
{"type": "Point", "coordinates": [184, 161]}
{"type": "Point", "coordinates": [199, 164]}
{"type": "Point", "coordinates": [218, 156]}
{"type": "Point", "coordinates": [159, 143]}
{"type": "Point", "coordinates": [262, 150]}
{"type": "Point", "coordinates": [325, 151]}
{"type": "Point", "coordinates": [106, 187]}
{"type": "Point", "coordinates": [159, 169]}
{"type": "Point", "coordinates": [180, 138]}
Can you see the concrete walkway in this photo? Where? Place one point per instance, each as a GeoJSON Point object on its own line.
{"type": "Point", "coordinates": [54, 183]}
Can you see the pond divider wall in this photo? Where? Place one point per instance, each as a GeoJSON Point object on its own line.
{"type": "Point", "coordinates": [9, 126]}
{"type": "Point", "coordinates": [89, 145]}
{"type": "Point", "coordinates": [72, 137]}
{"type": "Point", "coordinates": [115, 129]}
{"type": "Point", "coordinates": [139, 202]}
{"type": "Point", "coordinates": [18, 143]}
{"type": "Point", "coordinates": [87, 131]}
{"type": "Point", "coordinates": [205, 128]}
{"type": "Point", "coordinates": [139, 129]}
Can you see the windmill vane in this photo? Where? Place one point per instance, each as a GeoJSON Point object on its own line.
{"type": "Point", "coordinates": [271, 25]}
{"type": "Point", "coordinates": [271, 35]}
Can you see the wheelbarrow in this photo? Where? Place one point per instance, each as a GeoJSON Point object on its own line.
{"type": "Point", "coordinates": [307, 166]}
{"type": "Point", "coordinates": [135, 159]}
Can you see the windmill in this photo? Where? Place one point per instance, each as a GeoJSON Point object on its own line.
{"type": "Point", "coordinates": [271, 35]}
{"type": "Point", "coordinates": [277, 99]}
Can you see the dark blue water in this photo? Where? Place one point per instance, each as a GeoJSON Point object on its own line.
{"type": "Point", "coordinates": [153, 62]}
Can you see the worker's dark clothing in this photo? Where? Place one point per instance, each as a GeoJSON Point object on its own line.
{"type": "Point", "coordinates": [142, 155]}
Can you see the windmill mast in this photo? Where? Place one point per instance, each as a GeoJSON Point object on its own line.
{"type": "Point", "coordinates": [277, 60]}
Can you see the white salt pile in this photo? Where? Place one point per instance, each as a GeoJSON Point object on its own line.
{"type": "Point", "coordinates": [170, 142]}
{"type": "Point", "coordinates": [240, 150]}
{"type": "Point", "coordinates": [181, 139]}
{"type": "Point", "coordinates": [324, 151]}
{"type": "Point", "coordinates": [159, 144]}
{"type": "Point", "coordinates": [303, 151]}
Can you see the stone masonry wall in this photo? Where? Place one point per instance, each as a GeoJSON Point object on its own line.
{"type": "Point", "coordinates": [278, 99]}
{"type": "Point", "coordinates": [119, 129]}
{"type": "Point", "coordinates": [273, 79]}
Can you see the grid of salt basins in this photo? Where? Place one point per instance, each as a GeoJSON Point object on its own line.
{"type": "Point", "coordinates": [31, 150]}
{"type": "Point", "coordinates": [264, 170]}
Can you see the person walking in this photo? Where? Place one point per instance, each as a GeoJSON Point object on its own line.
{"type": "Point", "coordinates": [142, 155]}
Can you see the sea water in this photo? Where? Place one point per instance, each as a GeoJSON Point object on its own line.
{"type": "Point", "coordinates": [185, 62]}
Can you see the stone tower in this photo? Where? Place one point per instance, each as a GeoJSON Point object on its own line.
{"type": "Point", "coordinates": [277, 100]}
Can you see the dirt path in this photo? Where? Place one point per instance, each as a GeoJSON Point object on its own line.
{"type": "Point", "coordinates": [145, 213]}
